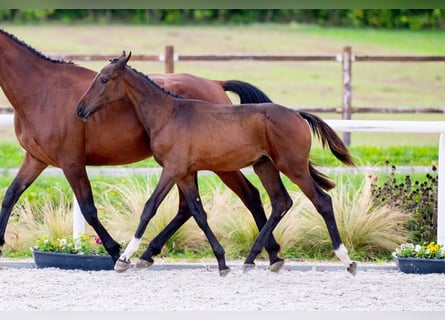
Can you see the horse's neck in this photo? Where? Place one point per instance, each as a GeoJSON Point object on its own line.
{"type": "Point", "coordinates": [22, 72]}
{"type": "Point", "coordinates": [153, 106]}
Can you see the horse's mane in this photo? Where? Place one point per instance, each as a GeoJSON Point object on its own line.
{"type": "Point", "coordinates": [31, 49]}
{"type": "Point", "coordinates": [155, 84]}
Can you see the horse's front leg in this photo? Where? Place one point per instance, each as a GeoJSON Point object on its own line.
{"type": "Point", "coordinates": [189, 187]}
{"type": "Point", "coordinates": [30, 169]}
{"type": "Point", "coordinates": [155, 246]}
{"type": "Point", "coordinates": [80, 184]}
{"type": "Point", "coordinates": [166, 182]}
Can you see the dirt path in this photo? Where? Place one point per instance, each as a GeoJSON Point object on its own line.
{"type": "Point", "coordinates": [201, 288]}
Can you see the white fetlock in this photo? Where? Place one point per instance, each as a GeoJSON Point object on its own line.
{"type": "Point", "coordinates": [342, 254]}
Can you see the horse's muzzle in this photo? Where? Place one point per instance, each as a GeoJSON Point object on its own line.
{"type": "Point", "coordinates": [82, 113]}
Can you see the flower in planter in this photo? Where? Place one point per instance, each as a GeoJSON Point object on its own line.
{"type": "Point", "coordinates": [84, 244]}
{"type": "Point", "coordinates": [430, 250]}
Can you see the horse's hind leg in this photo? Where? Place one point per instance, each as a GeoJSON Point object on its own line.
{"type": "Point", "coordinates": [155, 246]}
{"type": "Point", "coordinates": [323, 203]}
{"type": "Point", "coordinates": [281, 203]}
{"type": "Point", "coordinates": [30, 169]}
{"type": "Point", "coordinates": [250, 196]}
{"type": "Point", "coordinates": [189, 187]}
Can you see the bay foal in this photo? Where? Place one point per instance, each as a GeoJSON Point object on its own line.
{"type": "Point", "coordinates": [191, 135]}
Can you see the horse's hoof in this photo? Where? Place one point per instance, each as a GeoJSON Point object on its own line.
{"type": "Point", "coordinates": [122, 265]}
{"type": "Point", "coordinates": [224, 272]}
{"type": "Point", "coordinates": [352, 269]}
{"type": "Point", "coordinates": [248, 266]}
{"type": "Point", "coordinates": [276, 266]}
{"type": "Point", "coordinates": [143, 264]}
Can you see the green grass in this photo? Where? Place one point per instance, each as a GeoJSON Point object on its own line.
{"type": "Point", "coordinates": [408, 42]}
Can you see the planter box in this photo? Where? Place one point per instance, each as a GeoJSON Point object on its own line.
{"type": "Point", "coordinates": [420, 265]}
{"type": "Point", "coordinates": [72, 261]}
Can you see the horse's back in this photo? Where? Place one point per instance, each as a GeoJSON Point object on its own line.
{"type": "Point", "coordinates": [192, 87]}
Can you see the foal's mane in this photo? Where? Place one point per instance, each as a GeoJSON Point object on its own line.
{"type": "Point", "coordinates": [31, 49]}
{"type": "Point", "coordinates": [147, 78]}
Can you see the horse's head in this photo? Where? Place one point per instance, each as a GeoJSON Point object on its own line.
{"type": "Point", "coordinates": [106, 87]}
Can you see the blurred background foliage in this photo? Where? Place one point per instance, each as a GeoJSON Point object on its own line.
{"type": "Point", "coordinates": [412, 19]}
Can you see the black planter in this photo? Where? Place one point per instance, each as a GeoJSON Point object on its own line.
{"type": "Point", "coordinates": [420, 265]}
{"type": "Point", "coordinates": [72, 261]}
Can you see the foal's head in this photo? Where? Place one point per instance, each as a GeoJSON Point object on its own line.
{"type": "Point", "coordinates": [106, 87]}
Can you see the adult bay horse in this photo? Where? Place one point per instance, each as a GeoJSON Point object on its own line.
{"type": "Point", "coordinates": [44, 93]}
{"type": "Point", "coordinates": [191, 135]}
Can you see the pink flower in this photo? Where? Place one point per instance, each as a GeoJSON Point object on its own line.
{"type": "Point", "coordinates": [98, 240]}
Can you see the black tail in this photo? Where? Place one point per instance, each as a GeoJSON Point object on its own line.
{"type": "Point", "coordinates": [328, 136]}
{"type": "Point", "coordinates": [247, 92]}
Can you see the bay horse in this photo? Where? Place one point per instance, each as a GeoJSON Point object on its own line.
{"type": "Point", "coordinates": [44, 93]}
{"type": "Point", "coordinates": [190, 135]}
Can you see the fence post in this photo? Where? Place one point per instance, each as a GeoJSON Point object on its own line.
{"type": "Point", "coordinates": [169, 59]}
{"type": "Point", "coordinates": [347, 90]}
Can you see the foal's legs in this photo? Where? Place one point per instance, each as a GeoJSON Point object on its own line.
{"type": "Point", "coordinates": [281, 203]}
{"type": "Point", "coordinates": [30, 169]}
{"type": "Point", "coordinates": [155, 246]}
{"type": "Point", "coordinates": [166, 182]}
{"type": "Point", "coordinates": [189, 187]}
{"type": "Point", "coordinates": [251, 199]}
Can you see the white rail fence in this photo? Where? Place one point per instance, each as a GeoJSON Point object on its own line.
{"type": "Point", "coordinates": [437, 127]}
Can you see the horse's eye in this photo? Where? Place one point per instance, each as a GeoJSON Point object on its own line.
{"type": "Point", "coordinates": [104, 80]}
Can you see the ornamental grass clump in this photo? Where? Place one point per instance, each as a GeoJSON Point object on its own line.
{"type": "Point", "coordinates": [369, 231]}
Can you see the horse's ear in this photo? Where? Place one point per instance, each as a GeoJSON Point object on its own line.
{"type": "Point", "coordinates": [128, 58]}
{"type": "Point", "coordinates": [122, 60]}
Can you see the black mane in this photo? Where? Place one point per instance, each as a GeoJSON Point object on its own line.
{"type": "Point", "coordinates": [155, 84]}
{"type": "Point", "coordinates": [34, 51]}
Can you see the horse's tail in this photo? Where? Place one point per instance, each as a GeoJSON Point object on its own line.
{"type": "Point", "coordinates": [329, 137]}
{"type": "Point", "coordinates": [247, 92]}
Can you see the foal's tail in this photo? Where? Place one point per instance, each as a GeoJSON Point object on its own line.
{"type": "Point", "coordinates": [328, 136]}
{"type": "Point", "coordinates": [248, 93]}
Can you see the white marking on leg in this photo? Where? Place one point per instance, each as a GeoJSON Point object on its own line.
{"type": "Point", "coordinates": [132, 247]}
{"type": "Point", "coordinates": [342, 254]}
